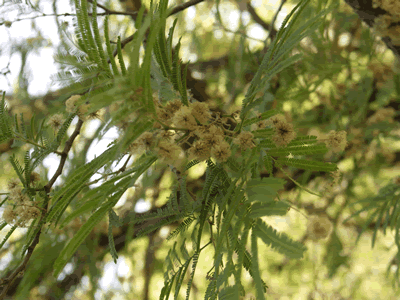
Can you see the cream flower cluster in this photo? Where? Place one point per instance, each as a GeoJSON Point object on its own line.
{"type": "Point", "coordinates": [189, 131]}
{"type": "Point", "coordinates": [23, 208]}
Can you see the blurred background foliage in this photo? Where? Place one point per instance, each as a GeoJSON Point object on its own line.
{"type": "Point", "coordinates": [347, 80]}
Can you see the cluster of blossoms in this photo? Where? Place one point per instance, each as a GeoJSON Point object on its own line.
{"type": "Point", "coordinates": [190, 131]}
{"type": "Point", "coordinates": [387, 24]}
{"type": "Point", "coordinates": [319, 227]}
{"type": "Point", "coordinates": [284, 131]}
{"type": "Point", "coordinates": [23, 208]}
{"type": "Point", "coordinates": [56, 120]}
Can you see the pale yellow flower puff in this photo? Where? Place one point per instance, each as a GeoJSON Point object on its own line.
{"type": "Point", "coordinates": [284, 133]}
{"type": "Point", "coordinates": [146, 139]}
{"type": "Point", "coordinates": [70, 104]}
{"type": "Point", "coordinates": [9, 215]}
{"type": "Point", "coordinates": [200, 150]}
{"type": "Point", "coordinates": [245, 140]}
{"type": "Point", "coordinates": [168, 151]}
{"type": "Point", "coordinates": [336, 140]}
{"type": "Point", "coordinates": [221, 152]}
{"type": "Point", "coordinates": [201, 112]}
{"type": "Point", "coordinates": [183, 118]}
{"type": "Point", "coordinates": [13, 183]}
{"type": "Point", "coordinates": [212, 140]}
{"type": "Point", "coordinates": [56, 121]}
{"type": "Point", "coordinates": [319, 228]}
{"type": "Point", "coordinates": [277, 119]}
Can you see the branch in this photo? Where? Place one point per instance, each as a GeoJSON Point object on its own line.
{"type": "Point", "coordinates": [183, 6]}
{"type": "Point", "coordinates": [364, 9]}
{"type": "Point", "coordinates": [21, 268]}
{"type": "Point", "coordinates": [175, 10]}
{"type": "Point", "coordinates": [256, 17]}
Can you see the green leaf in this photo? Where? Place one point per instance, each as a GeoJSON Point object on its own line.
{"type": "Point", "coordinates": [111, 243]}
{"type": "Point", "coordinates": [264, 189]}
{"type": "Point", "coordinates": [82, 233]}
{"type": "Point", "coordinates": [278, 241]}
{"type": "Point", "coordinates": [308, 164]}
{"type": "Point", "coordinates": [268, 209]}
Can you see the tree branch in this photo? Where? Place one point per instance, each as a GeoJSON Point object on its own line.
{"type": "Point", "coordinates": [21, 268]}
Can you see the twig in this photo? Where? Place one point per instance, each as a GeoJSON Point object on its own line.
{"type": "Point", "coordinates": [256, 17]}
{"type": "Point", "coordinates": [183, 6]}
{"type": "Point", "coordinates": [271, 26]}
{"type": "Point", "coordinates": [175, 10]}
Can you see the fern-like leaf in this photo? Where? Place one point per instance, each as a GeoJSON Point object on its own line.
{"type": "Point", "coordinates": [279, 242]}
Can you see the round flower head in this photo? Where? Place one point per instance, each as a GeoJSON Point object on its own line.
{"type": "Point", "coordinates": [245, 140]}
{"type": "Point", "coordinates": [12, 184]}
{"type": "Point", "coordinates": [70, 104]}
{"type": "Point", "coordinates": [9, 215]}
{"type": "Point", "coordinates": [221, 152]}
{"type": "Point", "coordinates": [200, 150]}
{"type": "Point", "coordinates": [56, 121]}
{"type": "Point", "coordinates": [184, 118]}
{"type": "Point", "coordinates": [336, 140]}
{"type": "Point", "coordinates": [168, 151]}
{"type": "Point", "coordinates": [279, 118]}
{"type": "Point", "coordinates": [201, 112]}
{"type": "Point", "coordinates": [164, 115]}
{"type": "Point", "coordinates": [319, 227]}
{"type": "Point", "coordinates": [212, 140]}
{"type": "Point", "coordinates": [284, 133]}
{"type": "Point", "coordinates": [146, 140]}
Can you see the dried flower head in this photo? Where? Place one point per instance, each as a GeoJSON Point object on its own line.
{"type": "Point", "coordinates": [336, 140]}
{"type": "Point", "coordinates": [168, 151]}
{"type": "Point", "coordinates": [200, 150]}
{"type": "Point", "coordinates": [56, 121]}
{"type": "Point", "coordinates": [184, 118]}
{"type": "Point", "coordinates": [221, 152]}
{"type": "Point", "coordinates": [245, 140]}
{"type": "Point", "coordinates": [201, 112]}
{"type": "Point", "coordinates": [319, 227]}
